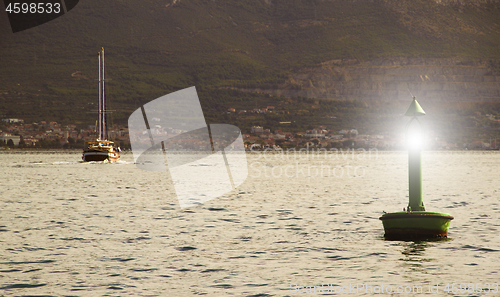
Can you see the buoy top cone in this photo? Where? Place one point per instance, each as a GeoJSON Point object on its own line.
{"type": "Point", "coordinates": [414, 110]}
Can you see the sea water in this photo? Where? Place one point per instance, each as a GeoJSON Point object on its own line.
{"type": "Point", "coordinates": [300, 225]}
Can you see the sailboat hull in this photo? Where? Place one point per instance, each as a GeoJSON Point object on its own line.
{"type": "Point", "coordinates": [100, 156]}
{"type": "Point", "coordinates": [100, 150]}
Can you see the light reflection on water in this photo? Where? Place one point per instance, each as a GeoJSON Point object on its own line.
{"type": "Point", "coordinates": [72, 228]}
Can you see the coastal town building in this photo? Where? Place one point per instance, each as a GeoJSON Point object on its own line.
{"type": "Point", "coordinates": [14, 132]}
{"type": "Point", "coordinates": [5, 137]}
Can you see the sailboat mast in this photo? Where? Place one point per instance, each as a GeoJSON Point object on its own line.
{"type": "Point", "coordinates": [104, 119]}
{"type": "Point", "coordinates": [99, 111]}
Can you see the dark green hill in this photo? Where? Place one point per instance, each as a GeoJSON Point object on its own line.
{"type": "Point", "coordinates": [155, 47]}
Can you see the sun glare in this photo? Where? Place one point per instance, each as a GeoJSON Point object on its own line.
{"type": "Point", "coordinates": [414, 139]}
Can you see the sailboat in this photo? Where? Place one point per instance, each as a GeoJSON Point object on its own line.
{"type": "Point", "coordinates": [101, 149]}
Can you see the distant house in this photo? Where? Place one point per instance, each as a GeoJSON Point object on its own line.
{"type": "Point", "coordinates": [257, 129]}
{"type": "Point", "coordinates": [30, 141]}
{"type": "Point", "coordinates": [251, 139]}
{"type": "Point", "coordinates": [12, 121]}
{"type": "Point", "coordinates": [269, 143]}
{"type": "Point", "coordinates": [279, 135]}
{"type": "Point", "coordinates": [29, 127]}
{"type": "Point", "coordinates": [477, 145]}
{"type": "Point", "coordinates": [315, 133]}
{"type": "Point", "coordinates": [337, 136]}
{"type": "Point", "coordinates": [323, 143]}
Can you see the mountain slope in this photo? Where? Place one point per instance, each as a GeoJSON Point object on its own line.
{"type": "Point", "coordinates": [155, 47]}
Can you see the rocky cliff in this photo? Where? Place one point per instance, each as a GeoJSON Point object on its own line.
{"type": "Point", "coordinates": [396, 79]}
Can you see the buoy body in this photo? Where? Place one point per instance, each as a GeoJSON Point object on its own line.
{"type": "Point", "coordinates": [416, 225]}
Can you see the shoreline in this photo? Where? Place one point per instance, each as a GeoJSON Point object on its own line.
{"type": "Point", "coordinates": [257, 151]}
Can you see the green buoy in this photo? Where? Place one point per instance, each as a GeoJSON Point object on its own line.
{"type": "Point", "coordinates": [414, 222]}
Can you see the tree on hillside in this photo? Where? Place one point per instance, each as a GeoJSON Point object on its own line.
{"type": "Point", "coordinates": [22, 143]}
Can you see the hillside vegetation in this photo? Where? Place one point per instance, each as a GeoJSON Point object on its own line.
{"type": "Point", "coordinates": [155, 47]}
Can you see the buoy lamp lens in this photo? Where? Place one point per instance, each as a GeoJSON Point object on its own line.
{"type": "Point", "coordinates": [414, 139]}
